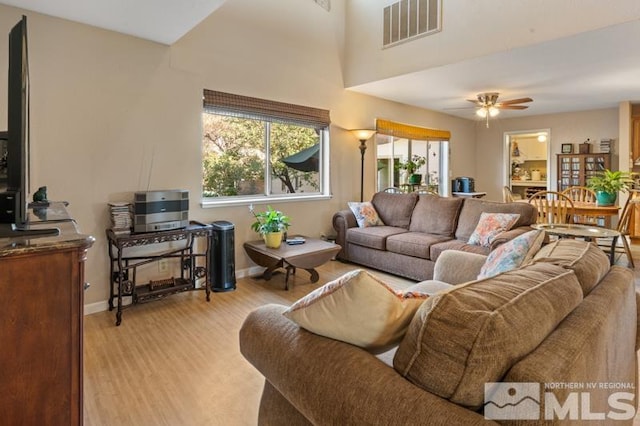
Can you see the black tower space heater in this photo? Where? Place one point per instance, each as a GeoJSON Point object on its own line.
{"type": "Point", "coordinates": [222, 264]}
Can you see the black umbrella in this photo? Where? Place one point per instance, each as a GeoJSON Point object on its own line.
{"type": "Point", "coordinates": [305, 160]}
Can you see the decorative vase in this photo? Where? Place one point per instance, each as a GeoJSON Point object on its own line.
{"type": "Point", "coordinates": [273, 239]}
{"type": "Point", "coordinates": [415, 179]}
{"type": "Point", "coordinates": [606, 198]}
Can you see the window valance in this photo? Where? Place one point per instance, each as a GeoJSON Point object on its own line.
{"type": "Point", "coordinates": [408, 131]}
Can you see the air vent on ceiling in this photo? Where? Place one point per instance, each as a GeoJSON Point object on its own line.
{"type": "Point", "coordinates": [409, 19]}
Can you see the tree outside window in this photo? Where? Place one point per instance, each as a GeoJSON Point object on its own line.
{"type": "Point", "coordinates": [257, 153]}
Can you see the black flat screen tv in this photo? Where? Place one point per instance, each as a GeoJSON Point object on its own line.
{"type": "Point", "coordinates": [14, 198]}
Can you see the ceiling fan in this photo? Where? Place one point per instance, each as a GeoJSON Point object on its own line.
{"type": "Point", "coordinates": [488, 105]}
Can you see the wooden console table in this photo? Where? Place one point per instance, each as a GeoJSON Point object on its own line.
{"type": "Point", "coordinates": [42, 284]}
{"type": "Point", "coordinates": [123, 267]}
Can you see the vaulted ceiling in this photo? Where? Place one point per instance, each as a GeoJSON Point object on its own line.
{"type": "Point", "coordinates": [587, 70]}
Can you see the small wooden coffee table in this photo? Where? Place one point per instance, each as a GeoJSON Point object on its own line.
{"type": "Point", "coordinates": [307, 256]}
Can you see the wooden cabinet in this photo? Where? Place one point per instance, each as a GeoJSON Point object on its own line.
{"type": "Point", "coordinates": [42, 285]}
{"type": "Point", "coordinates": [576, 169]}
{"type": "Point", "coordinates": [532, 150]}
{"type": "Point", "coordinates": [635, 139]}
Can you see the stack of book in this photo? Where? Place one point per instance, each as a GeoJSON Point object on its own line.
{"type": "Point", "coordinates": [120, 217]}
{"type": "Point", "coordinates": [605, 145]}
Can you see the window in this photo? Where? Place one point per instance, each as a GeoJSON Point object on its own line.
{"type": "Point", "coordinates": [397, 143]}
{"type": "Point", "coordinates": [256, 149]}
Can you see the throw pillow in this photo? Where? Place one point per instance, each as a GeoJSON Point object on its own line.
{"type": "Point", "coordinates": [512, 254]}
{"type": "Point", "coordinates": [366, 215]}
{"type": "Point", "coordinates": [357, 308]}
{"type": "Point", "coordinates": [490, 225]}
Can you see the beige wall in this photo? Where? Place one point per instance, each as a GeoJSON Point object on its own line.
{"type": "Point", "coordinates": [468, 32]}
{"type": "Point", "coordinates": [574, 127]}
{"type": "Point", "coordinates": [112, 114]}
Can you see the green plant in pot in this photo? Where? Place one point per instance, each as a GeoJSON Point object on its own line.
{"type": "Point", "coordinates": [607, 184]}
{"type": "Point", "coordinates": [411, 166]}
{"type": "Point", "coordinates": [271, 224]}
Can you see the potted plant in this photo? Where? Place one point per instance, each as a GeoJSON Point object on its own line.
{"type": "Point", "coordinates": [270, 224]}
{"type": "Point", "coordinates": [607, 185]}
{"type": "Point", "coordinates": [411, 166]}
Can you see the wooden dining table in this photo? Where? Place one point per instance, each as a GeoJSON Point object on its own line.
{"type": "Point", "coordinates": [582, 208]}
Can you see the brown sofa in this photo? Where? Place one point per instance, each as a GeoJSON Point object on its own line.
{"type": "Point", "coordinates": [418, 228]}
{"type": "Point", "coordinates": [566, 320]}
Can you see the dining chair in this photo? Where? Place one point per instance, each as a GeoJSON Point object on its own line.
{"type": "Point", "coordinates": [508, 196]}
{"type": "Point", "coordinates": [392, 190]}
{"type": "Point", "coordinates": [584, 195]}
{"type": "Point", "coordinates": [425, 190]}
{"type": "Point", "coordinates": [553, 207]}
{"type": "Point", "coordinates": [623, 228]}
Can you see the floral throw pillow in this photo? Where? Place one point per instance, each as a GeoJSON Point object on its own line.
{"type": "Point", "coordinates": [358, 308]}
{"type": "Point", "coordinates": [512, 254]}
{"type": "Point", "coordinates": [490, 225]}
{"type": "Point", "coordinates": [366, 215]}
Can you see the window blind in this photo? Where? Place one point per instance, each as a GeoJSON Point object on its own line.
{"type": "Point", "coordinates": [263, 109]}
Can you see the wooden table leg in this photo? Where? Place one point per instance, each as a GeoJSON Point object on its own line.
{"type": "Point", "coordinates": [314, 275]}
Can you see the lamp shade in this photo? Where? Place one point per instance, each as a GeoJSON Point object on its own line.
{"type": "Point", "coordinates": [363, 134]}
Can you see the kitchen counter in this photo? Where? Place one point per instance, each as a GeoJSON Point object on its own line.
{"type": "Point", "coordinates": [529, 183]}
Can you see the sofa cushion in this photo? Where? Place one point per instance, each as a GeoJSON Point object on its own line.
{"type": "Point", "coordinates": [490, 225]}
{"type": "Point", "coordinates": [436, 215]}
{"type": "Point", "coordinates": [437, 249]}
{"type": "Point", "coordinates": [472, 208]}
{"type": "Point", "coordinates": [395, 209]}
{"type": "Point", "coordinates": [415, 244]}
{"type": "Point", "coordinates": [588, 261]}
{"type": "Point", "coordinates": [366, 215]}
{"type": "Point", "coordinates": [512, 254]}
{"type": "Point", "coordinates": [429, 287]}
{"type": "Point", "coordinates": [471, 335]}
{"type": "Point", "coordinates": [373, 237]}
{"type": "Point", "coordinates": [357, 308]}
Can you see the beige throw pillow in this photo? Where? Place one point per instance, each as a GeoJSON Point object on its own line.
{"type": "Point", "coordinates": [357, 308]}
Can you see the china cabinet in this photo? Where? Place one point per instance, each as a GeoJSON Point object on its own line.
{"type": "Point", "coordinates": [576, 169]}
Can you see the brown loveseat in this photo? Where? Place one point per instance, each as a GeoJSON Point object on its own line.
{"type": "Point", "coordinates": [418, 228]}
{"type": "Point", "coordinates": [566, 323]}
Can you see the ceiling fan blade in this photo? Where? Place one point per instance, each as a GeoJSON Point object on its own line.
{"type": "Point", "coordinates": [515, 101]}
{"type": "Point", "coordinates": [450, 108]}
{"type": "Point", "coordinates": [474, 101]}
{"type": "Point", "coordinates": [512, 106]}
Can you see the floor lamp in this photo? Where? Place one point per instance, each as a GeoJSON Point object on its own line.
{"type": "Point", "coordinates": [363, 136]}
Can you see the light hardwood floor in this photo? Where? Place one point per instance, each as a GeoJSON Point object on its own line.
{"type": "Point", "coordinates": [176, 361]}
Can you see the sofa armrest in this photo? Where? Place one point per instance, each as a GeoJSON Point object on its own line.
{"type": "Point", "coordinates": [457, 267]}
{"type": "Point", "coordinates": [343, 220]}
{"type": "Point", "coordinates": [509, 235]}
{"type": "Point", "coordinates": [332, 382]}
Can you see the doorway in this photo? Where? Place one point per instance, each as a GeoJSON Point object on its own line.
{"type": "Point", "coordinates": [527, 165]}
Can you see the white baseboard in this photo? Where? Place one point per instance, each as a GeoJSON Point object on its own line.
{"type": "Point", "coordinates": [103, 305]}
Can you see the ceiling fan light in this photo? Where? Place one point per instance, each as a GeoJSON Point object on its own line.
{"type": "Point", "coordinates": [493, 111]}
{"type": "Point", "coordinates": [481, 112]}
